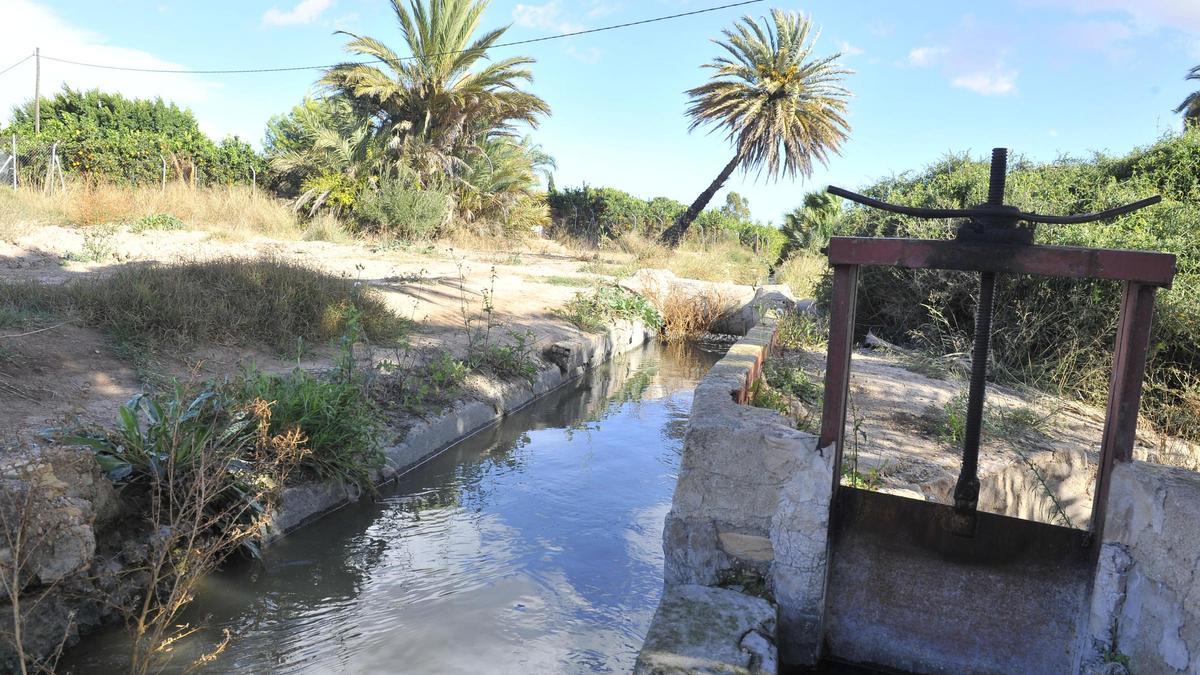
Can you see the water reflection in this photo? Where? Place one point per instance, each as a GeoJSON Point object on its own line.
{"type": "Point", "coordinates": [531, 547]}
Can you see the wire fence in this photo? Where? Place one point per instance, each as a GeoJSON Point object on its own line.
{"type": "Point", "coordinates": [49, 165]}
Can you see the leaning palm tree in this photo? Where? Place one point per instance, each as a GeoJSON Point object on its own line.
{"type": "Point", "coordinates": [445, 98]}
{"type": "Point", "coordinates": [1191, 105]}
{"type": "Point", "coordinates": [781, 106]}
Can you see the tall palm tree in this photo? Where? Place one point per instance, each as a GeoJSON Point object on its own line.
{"type": "Point", "coordinates": [810, 226]}
{"type": "Point", "coordinates": [1191, 105]}
{"type": "Point", "coordinates": [781, 106]}
{"type": "Point", "coordinates": [445, 99]}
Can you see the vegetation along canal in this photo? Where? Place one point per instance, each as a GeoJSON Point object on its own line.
{"type": "Point", "coordinates": [534, 546]}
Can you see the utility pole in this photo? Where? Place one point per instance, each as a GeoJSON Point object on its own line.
{"type": "Point", "coordinates": [37, 90]}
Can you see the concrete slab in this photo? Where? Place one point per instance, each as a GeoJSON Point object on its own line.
{"type": "Point", "coordinates": [701, 629]}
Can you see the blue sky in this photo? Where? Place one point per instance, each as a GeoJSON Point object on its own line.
{"type": "Point", "coordinates": [1043, 77]}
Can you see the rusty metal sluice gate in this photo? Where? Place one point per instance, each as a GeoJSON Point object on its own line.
{"type": "Point", "coordinates": [923, 586]}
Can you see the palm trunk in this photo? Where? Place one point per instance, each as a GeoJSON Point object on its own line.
{"type": "Point", "coordinates": [674, 234]}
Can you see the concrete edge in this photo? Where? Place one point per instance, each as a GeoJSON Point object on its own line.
{"type": "Point", "coordinates": [568, 360]}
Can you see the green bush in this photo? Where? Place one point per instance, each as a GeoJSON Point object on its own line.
{"type": "Point", "coordinates": [606, 213]}
{"type": "Point", "coordinates": [1056, 334]}
{"type": "Point", "coordinates": [402, 211]}
{"type": "Point", "coordinates": [156, 221]}
{"type": "Point", "coordinates": [607, 303]}
{"type": "Point", "coordinates": [126, 141]}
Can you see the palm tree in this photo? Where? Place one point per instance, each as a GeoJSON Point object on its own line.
{"type": "Point", "coordinates": [781, 106]}
{"type": "Point", "coordinates": [320, 150]}
{"type": "Point", "coordinates": [446, 99]}
{"type": "Point", "coordinates": [810, 226]}
{"type": "Point", "coordinates": [1191, 105]}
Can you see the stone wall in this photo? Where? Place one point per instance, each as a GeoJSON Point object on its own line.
{"type": "Point", "coordinates": [751, 505]}
{"type": "Point", "coordinates": [1146, 599]}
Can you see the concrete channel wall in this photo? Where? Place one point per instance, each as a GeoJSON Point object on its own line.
{"type": "Point", "coordinates": [569, 360]}
{"type": "Point", "coordinates": [750, 516]}
{"type": "Point", "coordinates": [1146, 599]}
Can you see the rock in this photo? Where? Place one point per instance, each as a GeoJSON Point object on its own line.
{"type": "Point", "coordinates": [700, 629]}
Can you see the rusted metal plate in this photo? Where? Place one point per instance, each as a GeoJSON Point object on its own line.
{"type": "Point", "coordinates": [1143, 267]}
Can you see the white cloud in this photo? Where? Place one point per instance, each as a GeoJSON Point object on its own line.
{"type": "Point", "coordinates": [1183, 15]}
{"type": "Point", "coordinates": [41, 27]}
{"type": "Point", "coordinates": [848, 49]}
{"type": "Point", "coordinates": [996, 82]}
{"type": "Point", "coordinates": [546, 15]}
{"type": "Point", "coordinates": [306, 11]}
{"type": "Point", "coordinates": [925, 56]}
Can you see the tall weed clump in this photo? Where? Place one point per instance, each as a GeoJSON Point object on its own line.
{"type": "Point", "coordinates": [1056, 334]}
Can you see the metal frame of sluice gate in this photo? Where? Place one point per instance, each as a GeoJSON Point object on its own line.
{"type": "Point", "coordinates": [923, 586]}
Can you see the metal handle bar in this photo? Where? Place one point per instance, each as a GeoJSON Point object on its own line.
{"type": "Point", "coordinates": [993, 212]}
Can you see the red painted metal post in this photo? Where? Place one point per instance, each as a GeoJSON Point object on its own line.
{"type": "Point", "coordinates": [1125, 390]}
{"type": "Point", "coordinates": [837, 364]}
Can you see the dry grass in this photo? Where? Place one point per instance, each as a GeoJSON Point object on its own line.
{"type": "Point", "coordinates": [801, 273]}
{"type": "Point", "coordinates": [235, 211]}
{"type": "Point", "coordinates": [688, 313]}
{"type": "Point", "coordinates": [724, 261]}
{"type": "Point", "coordinates": [236, 302]}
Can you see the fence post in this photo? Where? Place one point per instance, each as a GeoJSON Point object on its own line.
{"type": "Point", "coordinates": [164, 172]}
{"type": "Point", "coordinates": [14, 161]}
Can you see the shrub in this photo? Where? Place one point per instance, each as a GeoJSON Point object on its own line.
{"type": "Point", "coordinates": [231, 301]}
{"type": "Point", "coordinates": [403, 212]}
{"type": "Point", "coordinates": [203, 471]}
{"type": "Point", "coordinates": [338, 420]}
{"type": "Point", "coordinates": [156, 221]}
{"type": "Point", "coordinates": [117, 139]}
{"type": "Point", "coordinates": [607, 303]}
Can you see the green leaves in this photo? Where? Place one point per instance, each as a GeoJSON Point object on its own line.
{"type": "Point", "coordinates": [607, 303]}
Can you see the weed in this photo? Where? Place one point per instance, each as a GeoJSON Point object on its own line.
{"type": "Point", "coordinates": [793, 380]}
{"type": "Point", "coordinates": [850, 473]}
{"type": "Point", "coordinates": [611, 269]}
{"type": "Point", "coordinates": [802, 273]}
{"type": "Point", "coordinates": [606, 304]}
{"type": "Point", "coordinates": [787, 389]}
{"type": "Point", "coordinates": [797, 329]}
{"type": "Point", "coordinates": [98, 245]}
{"type": "Point", "coordinates": [205, 471]}
{"type": "Point", "coordinates": [512, 359]}
{"type": "Point", "coordinates": [156, 222]}
{"type": "Point", "coordinates": [576, 282]}
{"type": "Point", "coordinates": [950, 421]}
{"type": "Point", "coordinates": [415, 387]}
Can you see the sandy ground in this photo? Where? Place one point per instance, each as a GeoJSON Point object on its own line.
{"type": "Point", "coordinates": [899, 413]}
{"type": "Point", "coordinates": [69, 375]}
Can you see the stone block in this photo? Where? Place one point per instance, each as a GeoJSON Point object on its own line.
{"type": "Point", "coordinates": [700, 629]}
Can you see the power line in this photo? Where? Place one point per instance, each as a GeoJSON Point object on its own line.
{"type": "Point", "coordinates": [16, 64]}
{"type": "Point", "coordinates": [406, 58]}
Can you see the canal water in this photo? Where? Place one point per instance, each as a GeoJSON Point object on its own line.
{"type": "Point", "coordinates": [532, 547]}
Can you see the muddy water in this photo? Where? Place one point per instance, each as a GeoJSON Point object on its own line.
{"type": "Point", "coordinates": [534, 547]}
